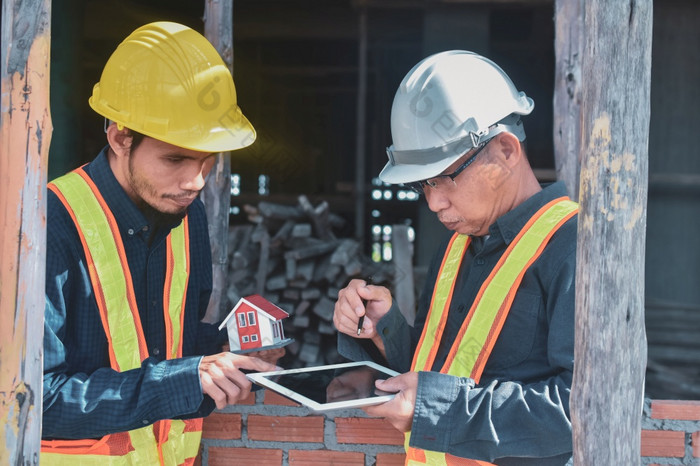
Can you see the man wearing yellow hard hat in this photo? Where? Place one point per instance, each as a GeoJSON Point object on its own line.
{"type": "Point", "coordinates": [129, 270]}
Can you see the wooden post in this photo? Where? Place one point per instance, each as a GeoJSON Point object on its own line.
{"type": "Point", "coordinates": [568, 50]}
{"type": "Point", "coordinates": [360, 129]}
{"type": "Point", "coordinates": [25, 133]}
{"type": "Point", "coordinates": [216, 195]}
{"type": "Point", "coordinates": [610, 348]}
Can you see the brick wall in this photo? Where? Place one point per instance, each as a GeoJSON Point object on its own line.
{"type": "Point", "coordinates": [671, 432]}
{"type": "Point", "coordinates": [270, 430]}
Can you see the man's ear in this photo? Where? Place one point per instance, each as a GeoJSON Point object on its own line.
{"type": "Point", "coordinates": [119, 139]}
{"type": "Point", "coordinates": [509, 145]}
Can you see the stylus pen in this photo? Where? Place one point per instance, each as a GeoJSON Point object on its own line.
{"type": "Point", "coordinates": [362, 317]}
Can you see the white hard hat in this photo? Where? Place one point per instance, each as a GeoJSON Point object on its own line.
{"type": "Point", "coordinates": [446, 105]}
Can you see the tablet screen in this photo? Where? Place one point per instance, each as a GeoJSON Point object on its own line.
{"type": "Point", "coordinates": [329, 387]}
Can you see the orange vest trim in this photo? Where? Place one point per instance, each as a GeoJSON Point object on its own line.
{"type": "Point", "coordinates": [443, 316]}
{"type": "Point", "coordinates": [505, 307]}
{"type": "Point", "coordinates": [490, 323]}
{"type": "Point", "coordinates": [95, 279]}
{"type": "Point", "coordinates": [170, 335]}
{"type": "Point", "coordinates": [119, 446]}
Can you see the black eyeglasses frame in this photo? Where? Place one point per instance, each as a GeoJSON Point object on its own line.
{"type": "Point", "coordinates": [419, 186]}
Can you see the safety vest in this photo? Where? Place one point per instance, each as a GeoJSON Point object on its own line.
{"type": "Point", "coordinates": [479, 332]}
{"type": "Point", "coordinates": [167, 442]}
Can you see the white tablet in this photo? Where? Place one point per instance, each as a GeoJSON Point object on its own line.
{"type": "Point", "coordinates": [345, 385]}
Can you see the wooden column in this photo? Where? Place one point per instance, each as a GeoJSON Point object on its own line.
{"type": "Point", "coordinates": [610, 351]}
{"type": "Point", "coordinates": [568, 51]}
{"type": "Point", "coordinates": [25, 133]}
{"type": "Point", "coordinates": [216, 195]}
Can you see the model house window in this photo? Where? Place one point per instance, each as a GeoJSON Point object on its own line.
{"type": "Point", "coordinates": [251, 318]}
{"type": "Point", "coordinates": [275, 334]}
{"type": "Point", "coordinates": [241, 320]}
{"type": "Point", "coordinates": [245, 339]}
{"type": "Point", "coordinates": [253, 337]}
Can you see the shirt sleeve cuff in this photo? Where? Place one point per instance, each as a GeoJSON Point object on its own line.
{"type": "Point", "coordinates": [396, 336]}
{"type": "Point", "coordinates": [181, 376]}
{"type": "Point", "coordinates": [434, 410]}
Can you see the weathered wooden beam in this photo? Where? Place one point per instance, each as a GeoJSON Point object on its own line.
{"type": "Point", "coordinates": [25, 134]}
{"type": "Point", "coordinates": [568, 51]}
{"type": "Point", "coordinates": [216, 195]}
{"type": "Point", "coordinates": [610, 344]}
{"type": "Point", "coordinates": [403, 272]}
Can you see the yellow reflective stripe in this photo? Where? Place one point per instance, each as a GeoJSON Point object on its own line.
{"type": "Point", "coordinates": [180, 445]}
{"type": "Point", "coordinates": [473, 342]}
{"type": "Point", "coordinates": [145, 453]}
{"type": "Point", "coordinates": [179, 254]}
{"type": "Point", "coordinates": [437, 314]}
{"type": "Point", "coordinates": [62, 459]}
{"type": "Point", "coordinates": [145, 446]}
{"type": "Point", "coordinates": [473, 339]}
{"type": "Point", "coordinates": [184, 444]}
{"type": "Point", "coordinates": [112, 278]}
{"type": "Point", "coordinates": [93, 223]}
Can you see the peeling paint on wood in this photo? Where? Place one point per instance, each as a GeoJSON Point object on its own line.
{"type": "Point", "coordinates": [25, 135]}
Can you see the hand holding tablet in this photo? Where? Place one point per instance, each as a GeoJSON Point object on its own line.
{"type": "Point", "coordinates": [335, 386]}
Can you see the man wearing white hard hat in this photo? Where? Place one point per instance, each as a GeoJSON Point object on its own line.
{"type": "Point", "coordinates": [487, 365]}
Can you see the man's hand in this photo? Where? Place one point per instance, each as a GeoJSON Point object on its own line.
{"type": "Point", "coordinates": [269, 355]}
{"type": "Point", "coordinates": [223, 380]}
{"type": "Point", "coordinates": [398, 411]}
{"type": "Point", "coordinates": [350, 307]}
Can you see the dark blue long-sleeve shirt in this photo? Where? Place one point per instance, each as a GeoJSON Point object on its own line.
{"type": "Point", "coordinates": [83, 397]}
{"type": "Point", "coordinates": [519, 412]}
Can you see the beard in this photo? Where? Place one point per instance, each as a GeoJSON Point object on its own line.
{"type": "Point", "coordinates": [144, 190]}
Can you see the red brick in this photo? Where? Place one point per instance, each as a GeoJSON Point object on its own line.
{"type": "Point", "coordinates": [285, 428]}
{"type": "Point", "coordinates": [663, 443]}
{"type": "Point", "coordinates": [222, 426]}
{"type": "Point", "coordinates": [366, 430]}
{"type": "Point", "coordinates": [272, 398]}
{"type": "Point", "coordinates": [695, 441]}
{"type": "Point", "coordinates": [391, 459]}
{"type": "Point", "coordinates": [683, 410]}
{"type": "Point", "coordinates": [223, 456]}
{"type": "Point", "coordinates": [326, 457]}
{"type": "Point", "coordinates": [249, 400]}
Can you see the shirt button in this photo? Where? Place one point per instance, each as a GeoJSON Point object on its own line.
{"type": "Point", "coordinates": [156, 351]}
{"type": "Point", "coordinates": [480, 261]}
{"type": "Point", "coordinates": [145, 422]}
{"type": "Point", "coordinates": [130, 231]}
{"type": "Point", "coordinates": [145, 228]}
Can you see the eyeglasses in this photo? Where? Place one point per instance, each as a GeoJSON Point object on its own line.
{"type": "Point", "coordinates": [439, 181]}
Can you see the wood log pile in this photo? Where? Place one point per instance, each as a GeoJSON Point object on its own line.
{"type": "Point", "coordinates": [292, 256]}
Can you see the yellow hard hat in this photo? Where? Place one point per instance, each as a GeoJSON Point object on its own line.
{"type": "Point", "coordinates": [167, 81]}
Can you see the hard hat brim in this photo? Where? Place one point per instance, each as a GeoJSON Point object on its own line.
{"type": "Point", "coordinates": [407, 169]}
{"type": "Point", "coordinates": [397, 174]}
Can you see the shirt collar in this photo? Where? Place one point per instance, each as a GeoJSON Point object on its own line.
{"type": "Point", "coordinates": [508, 225]}
{"type": "Point", "coordinates": [129, 218]}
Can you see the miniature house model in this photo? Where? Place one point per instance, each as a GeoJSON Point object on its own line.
{"type": "Point", "coordinates": [255, 324]}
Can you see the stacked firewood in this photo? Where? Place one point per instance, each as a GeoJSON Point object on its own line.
{"type": "Point", "coordinates": [292, 256]}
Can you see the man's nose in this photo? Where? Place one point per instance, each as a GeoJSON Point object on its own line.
{"type": "Point", "coordinates": [435, 199]}
{"type": "Point", "coordinates": [197, 179]}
